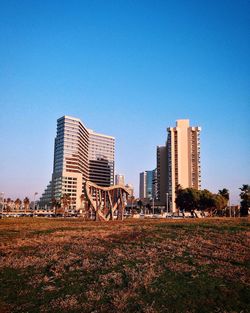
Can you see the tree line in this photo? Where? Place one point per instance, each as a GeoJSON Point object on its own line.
{"type": "Point", "coordinates": [187, 199]}
{"type": "Point", "coordinates": [190, 199]}
{"type": "Point", "coordinates": [9, 205]}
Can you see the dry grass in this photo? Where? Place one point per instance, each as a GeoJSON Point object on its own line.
{"type": "Point", "coordinates": [53, 265]}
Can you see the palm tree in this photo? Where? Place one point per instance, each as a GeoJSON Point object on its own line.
{"type": "Point", "coordinates": [84, 207]}
{"type": "Point", "coordinates": [54, 204]}
{"type": "Point", "coordinates": [17, 203]}
{"type": "Point", "coordinates": [132, 198]}
{"type": "Point", "coordinates": [89, 211]}
{"type": "Point", "coordinates": [9, 201]}
{"type": "Point", "coordinates": [82, 198]}
{"type": "Point", "coordinates": [65, 201]}
{"type": "Point", "coordinates": [26, 203]}
{"type": "Point", "coordinates": [224, 193]}
{"type": "Point", "coordinates": [139, 203]}
{"type": "Point", "coordinates": [245, 200]}
{"type": "Point", "coordinates": [245, 190]}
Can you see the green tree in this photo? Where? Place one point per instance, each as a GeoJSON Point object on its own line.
{"type": "Point", "coordinates": [220, 203]}
{"type": "Point", "coordinates": [134, 204]}
{"type": "Point", "coordinates": [206, 200]}
{"type": "Point", "coordinates": [187, 199]}
{"type": "Point", "coordinates": [140, 204]}
{"type": "Point", "coordinates": [245, 200]}
{"type": "Point", "coordinates": [148, 207]}
{"type": "Point", "coordinates": [225, 194]}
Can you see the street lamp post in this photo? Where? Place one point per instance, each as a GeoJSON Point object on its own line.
{"type": "Point", "coordinates": [167, 202]}
{"type": "Point", "coordinates": [230, 209]}
{"type": "Point", "coordinates": [36, 193]}
{"type": "Point", "coordinates": [2, 204]}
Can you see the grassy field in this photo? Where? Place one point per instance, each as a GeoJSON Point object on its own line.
{"type": "Point", "coordinates": [56, 265]}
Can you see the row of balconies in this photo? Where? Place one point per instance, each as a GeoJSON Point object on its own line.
{"type": "Point", "coordinates": [70, 180]}
{"type": "Point", "coordinates": [72, 192]}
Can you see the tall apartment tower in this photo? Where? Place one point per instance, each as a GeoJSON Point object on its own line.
{"type": "Point", "coordinates": [80, 154]}
{"type": "Point", "coordinates": [183, 158]}
{"type": "Point", "coordinates": [142, 187]}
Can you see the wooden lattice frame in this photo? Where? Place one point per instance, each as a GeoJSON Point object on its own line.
{"type": "Point", "coordinates": [106, 200]}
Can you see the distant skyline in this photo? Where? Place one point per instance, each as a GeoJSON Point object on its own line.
{"type": "Point", "coordinates": [129, 69]}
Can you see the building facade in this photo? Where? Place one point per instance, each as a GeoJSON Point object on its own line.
{"type": "Point", "coordinates": [146, 185]}
{"type": "Point", "coordinates": [101, 159]}
{"type": "Point", "coordinates": [183, 159]}
{"type": "Point", "coordinates": [155, 185]}
{"type": "Point", "coordinates": [119, 180]}
{"type": "Point", "coordinates": [80, 154]}
{"type": "Point", "coordinates": [130, 188]}
{"type": "Point", "coordinates": [142, 185]}
{"type": "Point", "coordinates": [161, 163]}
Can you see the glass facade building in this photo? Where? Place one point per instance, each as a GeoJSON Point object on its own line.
{"type": "Point", "coordinates": [146, 184]}
{"type": "Point", "coordinates": [101, 159]}
{"type": "Point", "coordinates": [80, 154]}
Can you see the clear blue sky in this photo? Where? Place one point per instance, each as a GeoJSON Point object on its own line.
{"type": "Point", "coordinates": [127, 69]}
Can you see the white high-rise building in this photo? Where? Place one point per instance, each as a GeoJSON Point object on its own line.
{"type": "Point", "coordinates": [142, 186]}
{"type": "Point", "coordinates": [183, 158]}
{"type": "Point", "coordinates": [80, 154]}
